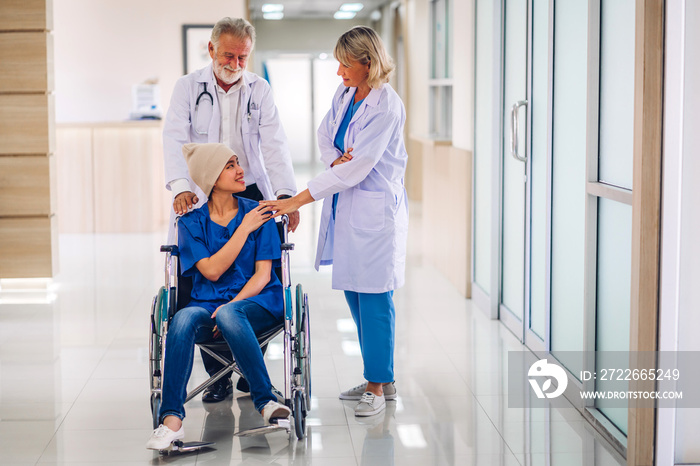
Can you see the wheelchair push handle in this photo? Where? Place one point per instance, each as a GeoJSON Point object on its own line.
{"type": "Point", "coordinates": [286, 245]}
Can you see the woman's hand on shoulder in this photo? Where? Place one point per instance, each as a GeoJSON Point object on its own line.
{"type": "Point", "coordinates": [255, 218]}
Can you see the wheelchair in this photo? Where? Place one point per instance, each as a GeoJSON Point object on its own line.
{"type": "Point", "coordinates": [175, 295]}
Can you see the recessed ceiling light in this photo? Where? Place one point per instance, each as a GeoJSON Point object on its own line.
{"type": "Point", "coordinates": [273, 15]}
{"type": "Point", "coordinates": [344, 14]}
{"type": "Point", "coordinates": [351, 7]}
{"type": "Point", "coordinates": [272, 7]}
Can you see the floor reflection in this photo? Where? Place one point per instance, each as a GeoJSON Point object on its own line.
{"type": "Point", "coordinates": [74, 364]}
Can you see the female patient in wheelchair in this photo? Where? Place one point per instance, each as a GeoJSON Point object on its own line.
{"type": "Point", "coordinates": [227, 246]}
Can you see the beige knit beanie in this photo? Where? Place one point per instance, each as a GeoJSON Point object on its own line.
{"type": "Point", "coordinates": [206, 162]}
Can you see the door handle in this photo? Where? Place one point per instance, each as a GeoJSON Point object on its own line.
{"type": "Point", "coordinates": [514, 130]}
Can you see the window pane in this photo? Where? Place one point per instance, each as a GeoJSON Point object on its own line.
{"type": "Point", "coordinates": [538, 158]}
{"type": "Point", "coordinates": [613, 299]}
{"type": "Point", "coordinates": [483, 143]}
{"type": "Point", "coordinates": [440, 39]}
{"type": "Point", "coordinates": [441, 112]}
{"type": "Point", "coordinates": [515, 89]}
{"type": "Point", "coordinates": [569, 178]}
{"type": "Point", "coordinates": [616, 92]}
{"type": "Point", "coordinates": [295, 108]}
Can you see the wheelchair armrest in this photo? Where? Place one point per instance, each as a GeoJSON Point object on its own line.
{"type": "Point", "coordinates": [171, 248]}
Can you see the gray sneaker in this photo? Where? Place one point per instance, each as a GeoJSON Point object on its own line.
{"type": "Point", "coordinates": [355, 393]}
{"type": "Point", "coordinates": [370, 404]}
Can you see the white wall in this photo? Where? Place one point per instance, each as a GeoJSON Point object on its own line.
{"type": "Point", "coordinates": [688, 421]}
{"type": "Point", "coordinates": [292, 35]}
{"type": "Point", "coordinates": [678, 429]}
{"type": "Point", "coordinates": [103, 47]}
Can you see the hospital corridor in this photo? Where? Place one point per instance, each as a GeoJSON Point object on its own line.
{"type": "Point", "coordinates": [509, 186]}
{"type": "Point", "coordinates": [74, 374]}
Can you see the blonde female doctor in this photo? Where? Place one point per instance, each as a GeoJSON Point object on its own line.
{"type": "Point", "coordinates": [365, 212]}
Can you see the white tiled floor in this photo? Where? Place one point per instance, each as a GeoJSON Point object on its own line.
{"type": "Point", "coordinates": [74, 364]}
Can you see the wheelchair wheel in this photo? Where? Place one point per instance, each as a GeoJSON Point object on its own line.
{"type": "Point", "coordinates": [299, 415]}
{"type": "Point", "coordinates": [155, 409]}
{"type": "Point", "coordinates": [307, 357]}
{"type": "Point", "coordinates": [158, 310]}
{"type": "Point", "coordinates": [303, 354]}
{"type": "Point", "coordinates": [159, 315]}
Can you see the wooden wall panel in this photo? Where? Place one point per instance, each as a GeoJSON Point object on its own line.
{"type": "Point", "coordinates": [26, 247]}
{"type": "Point", "coordinates": [110, 178]}
{"type": "Point", "coordinates": [447, 212]}
{"type": "Point", "coordinates": [26, 124]}
{"type": "Point", "coordinates": [414, 169]}
{"type": "Point", "coordinates": [646, 221]}
{"type": "Point", "coordinates": [26, 15]}
{"type": "Point", "coordinates": [128, 173]}
{"type": "Point", "coordinates": [74, 184]}
{"type": "Point", "coordinates": [28, 228]}
{"type": "Point", "coordinates": [26, 62]}
{"type": "Point", "coordinates": [25, 186]}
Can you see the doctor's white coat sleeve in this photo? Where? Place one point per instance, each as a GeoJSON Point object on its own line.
{"type": "Point", "coordinates": [176, 133]}
{"type": "Point", "coordinates": [274, 147]}
{"type": "Point", "coordinates": [369, 146]}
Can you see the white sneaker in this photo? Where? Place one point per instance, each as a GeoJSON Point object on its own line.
{"type": "Point", "coordinates": [355, 393]}
{"type": "Point", "coordinates": [274, 410]}
{"type": "Point", "coordinates": [370, 404]}
{"type": "Point", "coordinates": [162, 437]}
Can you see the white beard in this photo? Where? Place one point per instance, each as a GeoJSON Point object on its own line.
{"type": "Point", "coordinates": [227, 74]}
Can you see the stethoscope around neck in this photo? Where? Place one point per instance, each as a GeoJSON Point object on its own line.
{"type": "Point", "coordinates": [340, 106]}
{"type": "Point", "coordinates": [204, 95]}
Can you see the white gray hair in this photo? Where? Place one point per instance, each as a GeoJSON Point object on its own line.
{"type": "Point", "coordinates": [237, 27]}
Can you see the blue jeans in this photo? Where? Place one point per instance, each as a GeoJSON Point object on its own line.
{"type": "Point", "coordinates": [239, 323]}
{"type": "Point", "coordinates": [374, 316]}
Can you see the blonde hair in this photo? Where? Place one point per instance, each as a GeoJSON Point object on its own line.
{"type": "Point", "coordinates": [363, 45]}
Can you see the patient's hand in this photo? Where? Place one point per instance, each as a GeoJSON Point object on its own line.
{"type": "Point", "coordinates": [256, 218]}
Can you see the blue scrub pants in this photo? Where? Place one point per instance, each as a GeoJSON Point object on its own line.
{"type": "Point", "coordinates": [239, 323]}
{"type": "Point", "coordinates": [374, 316]}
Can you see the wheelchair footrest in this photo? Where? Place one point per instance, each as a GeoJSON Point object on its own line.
{"type": "Point", "coordinates": [179, 445]}
{"type": "Point", "coordinates": [278, 425]}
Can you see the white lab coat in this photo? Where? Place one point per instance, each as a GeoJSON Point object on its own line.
{"type": "Point", "coordinates": [366, 243]}
{"type": "Point", "coordinates": [265, 143]}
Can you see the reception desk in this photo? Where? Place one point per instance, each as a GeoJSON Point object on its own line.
{"type": "Point", "coordinates": [110, 177]}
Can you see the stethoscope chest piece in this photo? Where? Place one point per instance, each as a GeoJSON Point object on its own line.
{"type": "Point", "coordinates": [204, 95]}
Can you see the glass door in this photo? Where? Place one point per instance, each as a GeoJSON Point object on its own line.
{"type": "Point", "coordinates": [524, 162]}
{"type": "Point", "coordinates": [514, 165]}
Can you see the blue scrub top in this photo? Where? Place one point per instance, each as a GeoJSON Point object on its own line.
{"type": "Point", "coordinates": [339, 141]}
{"type": "Point", "coordinates": [199, 237]}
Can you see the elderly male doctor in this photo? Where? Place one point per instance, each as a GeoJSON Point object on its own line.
{"type": "Point", "coordinates": [224, 103]}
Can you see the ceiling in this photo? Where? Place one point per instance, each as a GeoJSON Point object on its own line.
{"type": "Point", "coordinates": [313, 9]}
